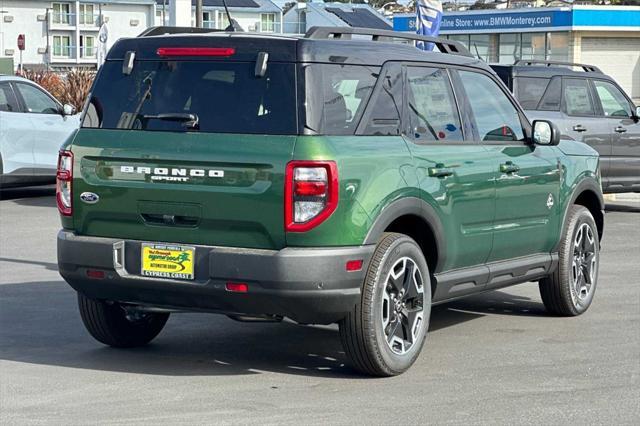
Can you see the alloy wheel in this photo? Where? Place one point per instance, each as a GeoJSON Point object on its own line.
{"type": "Point", "coordinates": [584, 265]}
{"type": "Point", "coordinates": [402, 306]}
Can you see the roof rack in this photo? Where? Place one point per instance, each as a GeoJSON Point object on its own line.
{"type": "Point", "coordinates": [344, 33]}
{"type": "Point", "coordinates": [162, 30]}
{"type": "Point", "coordinates": [585, 67]}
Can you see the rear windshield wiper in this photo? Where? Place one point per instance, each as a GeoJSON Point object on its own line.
{"type": "Point", "coordinates": [189, 120]}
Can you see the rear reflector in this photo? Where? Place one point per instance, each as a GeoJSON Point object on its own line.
{"type": "Point", "coordinates": [309, 188]}
{"type": "Point", "coordinates": [195, 51]}
{"type": "Point", "coordinates": [354, 265]}
{"type": "Point", "coordinates": [237, 287]}
{"type": "Point", "coordinates": [95, 274]}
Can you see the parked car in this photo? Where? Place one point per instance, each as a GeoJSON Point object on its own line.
{"type": "Point", "coordinates": [324, 179]}
{"type": "Point", "coordinates": [588, 106]}
{"type": "Point", "coordinates": [33, 126]}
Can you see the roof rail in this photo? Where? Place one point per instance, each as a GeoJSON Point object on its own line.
{"type": "Point", "coordinates": [162, 30]}
{"type": "Point", "coordinates": [585, 67]}
{"type": "Point", "coordinates": [444, 46]}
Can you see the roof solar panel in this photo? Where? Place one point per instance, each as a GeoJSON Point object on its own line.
{"type": "Point", "coordinates": [360, 18]}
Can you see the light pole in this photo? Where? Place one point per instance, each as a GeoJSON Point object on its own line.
{"type": "Point", "coordinates": [199, 13]}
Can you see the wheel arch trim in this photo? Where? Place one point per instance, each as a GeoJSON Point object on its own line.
{"type": "Point", "coordinates": [410, 206]}
{"type": "Point", "coordinates": [588, 184]}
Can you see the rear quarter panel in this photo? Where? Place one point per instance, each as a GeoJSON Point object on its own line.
{"type": "Point", "coordinates": [373, 172]}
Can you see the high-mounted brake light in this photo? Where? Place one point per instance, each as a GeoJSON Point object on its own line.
{"type": "Point", "coordinates": [311, 194]}
{"type": "Point", "coordinates": [195, 51]}
{"type": "Point", "coordinates": [64, 178]}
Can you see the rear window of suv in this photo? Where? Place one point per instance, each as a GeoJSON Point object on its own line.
{"type": "Point", "coordinates": [529, 91]}
{"type": "Point", "coordinates": [226, 97]}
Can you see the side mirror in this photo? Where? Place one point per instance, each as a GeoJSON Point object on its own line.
{"type": "Point", "coordinates": [545, 133]}
{"type": "Point", "coordinates": [637, 115]}
{"type": "Point", "coordinates": [68, 110]}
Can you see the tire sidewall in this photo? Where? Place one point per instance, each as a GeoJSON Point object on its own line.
{"type": "Point", "coordinates": [580, 217]}
{"type": "Point", "coordinates": [402, 247]}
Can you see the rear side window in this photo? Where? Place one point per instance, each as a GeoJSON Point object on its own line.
{"type": "Point", "coordinates": [433, 114]}
{"type": "Point", "coordinates": [552, 96]}
{"type": "Point", "coordinates": [8, 101]}
{"type": "Point", "coordinates": [576, 97]}
{"type": "Point", "coordinates": [226, 97]}
{"type": "Point", "coordinates": [386, 106]}
{"type": "Point", "coordinates": [336, 96]}
{"type": "Point", "coordinates": [497, 119]}
{"type": "Point", "coordinates": [529, 91]}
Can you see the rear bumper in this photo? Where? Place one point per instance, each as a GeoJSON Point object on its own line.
{"type": "Point", "coordinates": [308, 285]}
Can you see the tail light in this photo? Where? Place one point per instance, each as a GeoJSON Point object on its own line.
{"type": "Point", "coordinates": [311, 194]}
{"type": "Point", "coordinates": [64, 178]}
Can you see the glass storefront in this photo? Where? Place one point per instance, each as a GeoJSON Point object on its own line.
{"type": "Point", "coordinates": [480, 46]}
{"type": "Point", "coordinates": [533, 46]}
{"type": "Point", "coordinates": [558, 46]}
{"type": "Point", "coordinates": [510, 47]}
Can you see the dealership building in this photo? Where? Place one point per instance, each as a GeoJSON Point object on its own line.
{"type": "Point", "coordinates": [605, 36]}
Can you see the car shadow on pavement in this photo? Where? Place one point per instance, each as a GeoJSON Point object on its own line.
{"type": "Point", "coordinates": [47, 265]}
{"type": "Point", "coordinates": [624, 208]}
{"type": "Point", "coordinates": [40, 324]}
{"type": "Point", "coordinates": [25, 195]}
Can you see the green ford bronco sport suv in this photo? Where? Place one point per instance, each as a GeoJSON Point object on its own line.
{"type": "Point", "coordinates": [341, 177]}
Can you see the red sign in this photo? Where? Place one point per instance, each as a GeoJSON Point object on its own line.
{"type": "Point", "coordinates": [21, 42]}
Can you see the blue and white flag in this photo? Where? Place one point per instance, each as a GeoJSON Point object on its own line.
{"type": "Point", "coordinates": [428, 18]}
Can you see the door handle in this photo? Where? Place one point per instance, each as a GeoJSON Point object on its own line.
{"type": "Point", "coordinates": [620, 129]}
{"type": "Point", "coordinates": [440, 171]}
{"type": "Point", "coordinates": [579, 128]}
{"type": "Point", "coordinates": [509, 167]}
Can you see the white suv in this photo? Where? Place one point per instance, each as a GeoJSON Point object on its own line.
{"type": "Point", "coordinates": [33, 125]}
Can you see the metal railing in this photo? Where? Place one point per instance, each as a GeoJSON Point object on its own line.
{"type": "Point", "coordinates": [66, 52]}
{"type": "Point", "coordinates": [62, 18]}
{"type": "Point", "coordinates": [88, 52]}
{"type": "Point", "coordinates": [261, 27]}
{"type": "Point", "coordinates": [89, 19]}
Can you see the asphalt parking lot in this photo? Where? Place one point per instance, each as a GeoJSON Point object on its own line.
{"type": "Point", "coordinates": [491, 359]}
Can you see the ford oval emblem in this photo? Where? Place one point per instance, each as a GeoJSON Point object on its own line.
{"type": "Point", "coordinates": [89, 197]}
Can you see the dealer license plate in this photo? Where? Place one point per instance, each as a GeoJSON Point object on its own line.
{"type": "Point", "coordinates": [167, 261]}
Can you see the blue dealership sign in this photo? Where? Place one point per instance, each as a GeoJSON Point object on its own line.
{"type": "Point", "coordinates": [495, 20]}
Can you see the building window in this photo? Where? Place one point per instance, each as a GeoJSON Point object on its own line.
{"type": "Point", "coordinates": [62, 46]}
{"type": "Point", "coordinates": [533, 46]}
{"type": "Point", "coordinates": [222, 20]}
{"type": "Point", "coordinates": [481, 46]}
{"type": "Point", "coordinates": [267, 22]}
{"type": "Point", "coordinates": [86, 14]}
{"type": "Point", "coordinates": [509, 49]}
{"type": "Point", "coordinates": [462, 38]}
{"type": "Point", "coordinates": [61, 13]}
{"type": "Point", "coordinates": [558, 46]}
{"type": "Point", "coordinates": [87, 46]}
{"type": "Point", "coordinates": [207, 20]}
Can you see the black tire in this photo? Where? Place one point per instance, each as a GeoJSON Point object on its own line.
{"type": "Point", "coordinates": [559, 291]}
{"type": "Point", "coordinates": [363, 331]}
{"type": "Point", "coordinates": [109, 323]}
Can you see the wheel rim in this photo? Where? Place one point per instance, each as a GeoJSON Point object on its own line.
{"type": "Point", "coordinates": [584, 264]}
{"type": "Point", "coordinates": [402, 313]}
